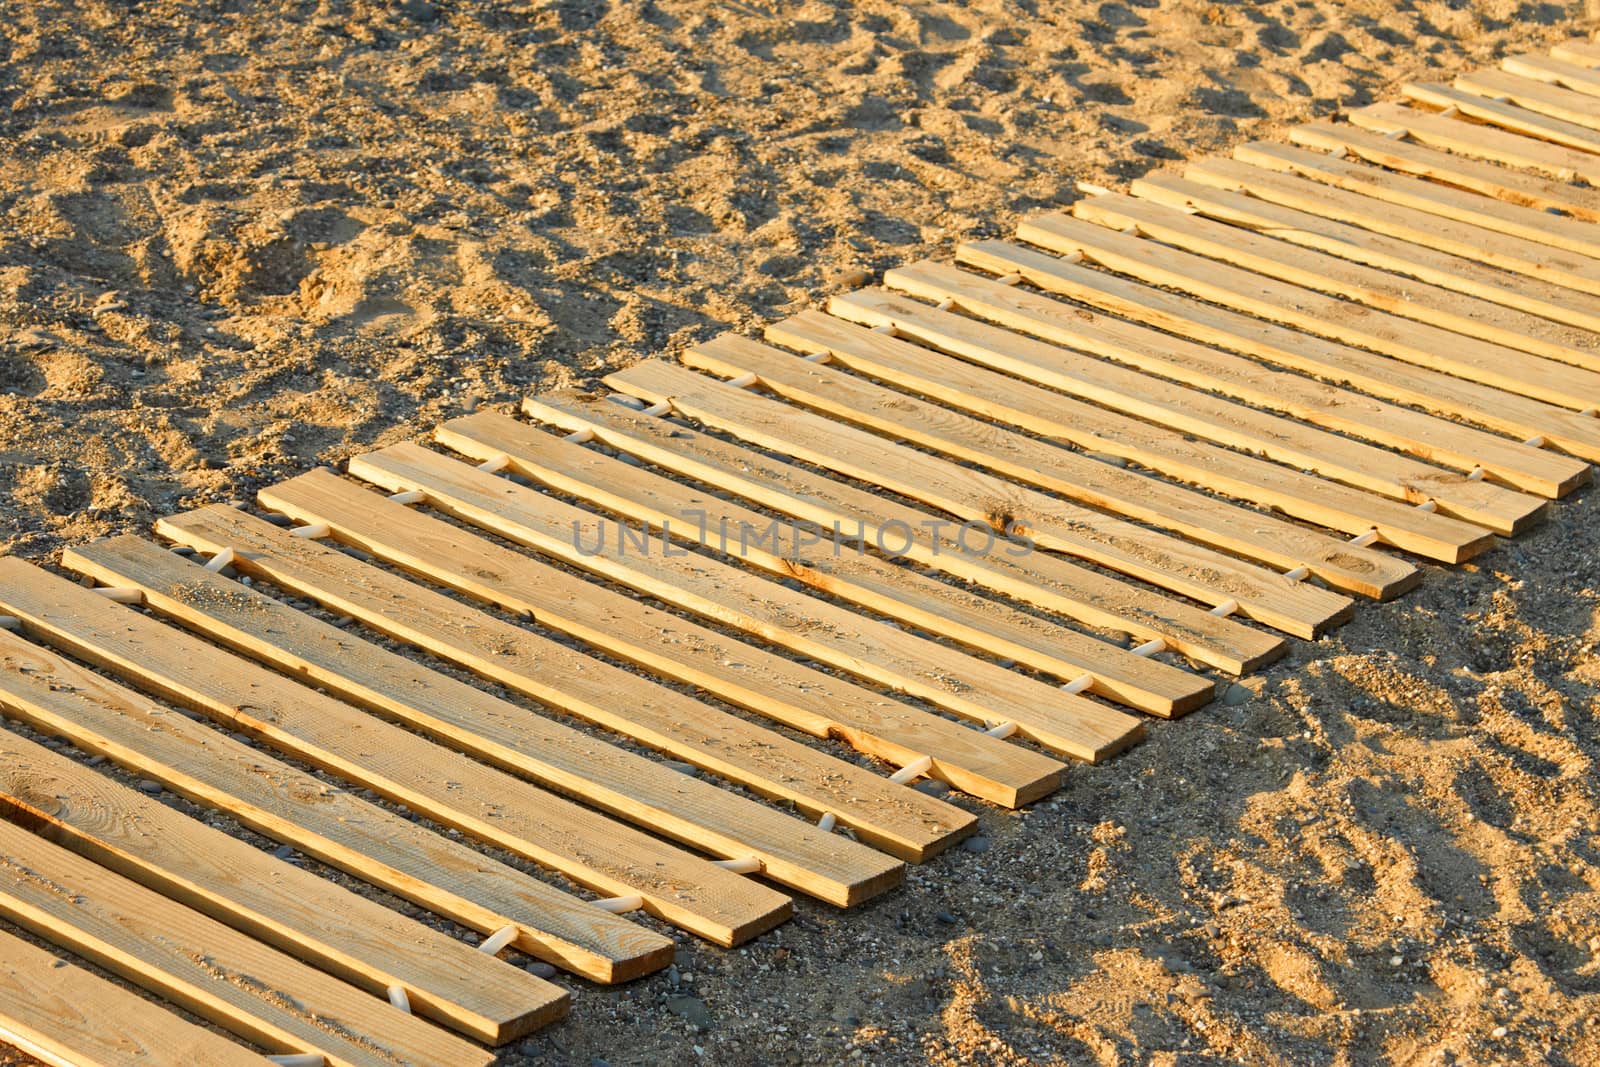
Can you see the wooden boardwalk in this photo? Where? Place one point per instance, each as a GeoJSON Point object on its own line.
{"type": "Point", "coordinates": [612, 666]}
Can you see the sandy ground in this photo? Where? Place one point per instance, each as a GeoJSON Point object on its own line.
{"type": "Point", "coordinates": [236, 242]}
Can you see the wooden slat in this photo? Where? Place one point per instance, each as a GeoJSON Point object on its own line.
{"type": "Point", "coordinates": [1508, 116]}
{"type": "Point", "coordinates": [1040, 411]}
{"type": "Point", "coordinates": [60, 698]}
{"type": "Point", "coordinates": [892, 817]}
{"type": "Point", "coordinates": [1510, 236]}
{"type": "Point", "coordinates": [1406, 297]}
{"type": "Point", "coordinates": [1169, 404]}
{"type": "Point", "coordinates": [699, 517]}
{"type": "Point", "coordinates": [1208, 190]}
{"type": "Point", "coordinates": [1580, 78]}
{"type": "Point", "coordinates": [559, 757]}
{"type": "Point", "coordinates": [1207, 576]}
{"type": "Point", "coordinates": [1546, 99]}
{"type": "Point", "coordinates": [556, 756]}
{"type": "Point", "coordinates": [245, 987]}
{"type": "Point", "coordinates": [1340, 320]}
{"type": "Point", "coordinates": [1489, 142]}
{"type": "Point", "coordinates": [809, 497]}
{"type": "Point", "coordinates": [1411, 157]}
{"type": "Point", "coordinates": [293, 910]}
{"type": "Point", "coordinates": [810, 626]}
{"type": "Point", "coordinates": [1317, 402]}
{"type": "Point", "coordinates": [1394, 379]}
{"type": "Point", "coordinates": [1578, 51]}
{"type": "Point", "coordinates": [1032, 462]}
{"type": "Point", "coordinates": [589, 848]}
{"type": "Point", "coordinates": [67, 1016]}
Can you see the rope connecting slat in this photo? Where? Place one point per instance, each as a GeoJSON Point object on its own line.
{"type": "Point", "coordinates": [915, 769]}
{"type": "Point", "coordinates": [746, 865]}
{"type": "Point", "coordinates": [397, 997]}
{"type": "Point", "coordinates": [219, 561]}
{"type": "Point", "coordinates": [620, 905]}
{"type": "Point", "coordinates": [408, 496]}
{"type": "Point", "coordinates": [314, 531]}
{"type": "Point", "coordinates": [498, 940]}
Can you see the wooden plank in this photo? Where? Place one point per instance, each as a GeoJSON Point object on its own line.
{"type": "Point", "coordinates": [327, 823]}
{"type": "Point", "coordinates": [698, 517]}
{"type": "Point", "coordinates": [1336, 319]}
{"type": "Point", "coordinates": [1488, 142]}
{"type": "Point", "coordinates": [818, 629]}
{"type": "Point", "coordinates": [889, 816]}
{"type": "Point", "coordinates": [973, 497]}
{"type": "Point", "coordinates": [1546, 99]}
{"type": "Point", "coordinates": [553, 755]}
{"type": "Point", "coordinates": [1392, 378]}
{"type": "Point", "coordinates": [1579, 51]}
{"type": "Point", "coordinates": [307, 917]}
{"type": "Point", "coordinates": [1186, 408]}
{"type": "Point", "coordinates": [1412, 157]}
{"type": "Point", "coordinates": [250, 990]}
{"type": "Point", "coordinates": [67, 1016]}
{"type": "Point", "coordinates": [1252, 534]}
{"type": "Point", "coordinates": [1406, 297]}
{"type": "Point", "coordinates": [1580, 78]}
{"type": "Point", "coordinates": [1507, 116]}
{"type": "Point", "coordinates": [1208, 190]}
{"type": "Point", "coordinates": [805, 496]}
{"type": "Point", "coordinates": [591, 849]}
{"type": "Point", "coordinates": [1009, 401]}
{"type": "Point", "coordinates": [1522, 239]}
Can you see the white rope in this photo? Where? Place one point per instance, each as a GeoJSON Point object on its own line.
{"type": "Point", "coordinates": [397, 997]}
{"type": "Point", "coordinates": [1363, 540]}
{"type": "Point", "coordinates": [498, 940]}
{"type": "Point", "coordinates": [1298, 574]}
{"type": "Point", "coordinates": [620, 905]}
{"type": "Point", "coordinates": [1151, 647]}
{"type": "Point", "coordinates": [1226, 608]}
{"type": "Point", "coordinates": [886, 328]}
{"type": "Point", "coordinates": [220, 560]}
{"type": "Point", "coordinates": [743, 381]}
{"type": "Point", "coordinates": [659, 409]}
{"type": "Point", "coordinates": [313, 530]}
{"type": "Point", "coordinates": [10, 622]}
{"type": "Point", "coordinates": [1428, 505]}
{"type": "Point", "coordinates": [122, 594]}
{"type": "Point", "coordinates": [581, 437]}
{"type": "Point", "coordinates": [747, 865]}
{"type": "Point", "coordinates": [1002, 730]}
{"type": "Point", "coordinates": [827, 822]}
{"type": "Point", "coordinates": [1078, 684]}
{"type": "Point", "coordinates": [409, 496]}
{"type": "Point", "coordinates": [1476, 474]}
{"type": "Point", "coordinates": [915, 769]}
{"type": "Point", "coordinates": [1536, 441]}
{"type": "Point", "coordinates": [947, 303]}
{"type": "Point", "coordinates": [495, 464]}
{"type": "Point", "coordinates": [818, 357]}
{"type": "Point", "coordinates": [1010, 279]}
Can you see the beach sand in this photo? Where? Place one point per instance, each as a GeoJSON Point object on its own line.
{"type": "Point", "coordinates": [239, 243]}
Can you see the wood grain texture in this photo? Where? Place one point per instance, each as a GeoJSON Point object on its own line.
{"type": "Point", "coordinates": [1579, 77]}
{"type": "Point", "coordinates": [840, 871]}
{"type": "Point", "coordinates": [591, 849]}
{"type": "Point", "coordinates": [1579, 51]}
{"type": "Point", "coordinates": [1410, 153]}
{"type": "Point", "coordinates": [1479, 141]}
{"type": "Point", "coordinates": [1516, 328]}
{"type": "Point", "coordinates": [1543, 97]}
{"type": "Point", "coordinates": [1033, 347]}
{"type": "Point", "coordinates": [67, 1016]}
{"type": "Point", "coordinates": [1507, 115]}
{"type": "Point", "coordinates": [697, 516]}
{"type": "Point", "coordinates": [1513, 237]}
{"type": "Point", "coordinates": [972, 496]}
{"type": "Point", "coordinates": [312, 919]}
{"type": "Point", "coordinates": [1251, 534]}
{"type": "Point", "coordinates": [249, 989]}
{"type": "Point", "coordinates": [1005, 772]}
{"type": "Point", "coordinates": [550, 753]}
{"type": "Point", "coordinates": [809, 497]}
{"type": "Point", "coordinates": [1306, 309]}
{"type": "Point", "coordinates": [1392, 379]}
{"type": "Point", "coordinates": [811, 626]}
{"type": "Point", "coordinates": [1008, 400]}
{"type": "Point", "coordinates": [58, 697]}
{"type": "Point", "coordinates": [1216, 190]}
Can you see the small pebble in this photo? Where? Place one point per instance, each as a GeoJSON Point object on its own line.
{"type": "Point", "coordinates": [148, 785]}
{"type": "Point", "coordinates": [278, 518]}
{"type": "Point", "coordinates": [683, 768]}
{"type": "Point", "coordinates": [1236, 694]}
{"type": "Point", "coordinates": [1499, 1031]}
{"type": "Point", "coordinates": [933, 787]}
{"type": "Point", "coordinates": [541, 969]}
{"type": "Point", "coordinates": [283, 852]}
{"type": "Point", "coordinates": [945, 917]}
{"type": "Point", "coordinates": [976, 844]}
